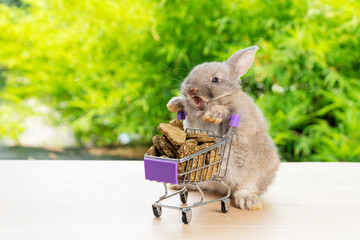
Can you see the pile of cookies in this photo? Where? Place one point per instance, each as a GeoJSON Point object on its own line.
{"type": "Point", "coordinates": [176, 143]}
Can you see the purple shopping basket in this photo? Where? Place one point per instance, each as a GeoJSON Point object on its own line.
{"type": "Point", "coordinates": [161, 170]}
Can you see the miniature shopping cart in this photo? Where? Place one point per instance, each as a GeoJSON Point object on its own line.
{"type": "Point", "coordinates": [209, 164]}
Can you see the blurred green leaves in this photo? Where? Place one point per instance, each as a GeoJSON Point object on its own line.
{"type": "Point", "coordinates": [109, 67]}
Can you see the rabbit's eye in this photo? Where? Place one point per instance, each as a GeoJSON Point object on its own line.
{"type": "Point", "coordinates": [215, 79]}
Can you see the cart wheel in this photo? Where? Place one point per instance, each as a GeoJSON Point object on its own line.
{"type": "Point", "coordinates": [186, 216]}
{"type": "Point", "coordinates": [225, 205]}
{"type": "Point", "coordinates": [156, 210]}
{"type": "Point", "coordinates": [184, 196]}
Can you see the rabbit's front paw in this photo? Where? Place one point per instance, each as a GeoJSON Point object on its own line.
{"type": "Point", "coordinates": [245, 199]}
{"type": "Point", "coordinates": [212, 120]}
{"type": "Point", "coordinates": [175, 104]}
{"type": "Point", "coordinates": [173, 108]}
{"type": "Point", "coordinates": [215, 114]}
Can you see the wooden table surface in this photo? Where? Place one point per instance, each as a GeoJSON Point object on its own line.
{"type": "Point", "coordinates": [112, 200]}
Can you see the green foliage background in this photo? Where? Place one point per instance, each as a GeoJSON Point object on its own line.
{"type": "Point", "coordinates": [110, 67]}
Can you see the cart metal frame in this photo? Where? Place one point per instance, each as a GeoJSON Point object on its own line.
{"type": "Point", "coordinates": [164, 170]}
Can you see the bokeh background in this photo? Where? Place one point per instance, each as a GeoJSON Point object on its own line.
{"type": "Point", "coordinates": [97, 75]}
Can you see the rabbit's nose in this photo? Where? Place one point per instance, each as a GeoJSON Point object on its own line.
{"type": "Point", "coordinates": [193, 91]}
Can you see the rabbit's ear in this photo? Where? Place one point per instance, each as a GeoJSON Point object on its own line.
{"type": "Point", "coordinates": [241, 61]}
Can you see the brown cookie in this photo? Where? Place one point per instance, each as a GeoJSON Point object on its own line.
{"type": "Point", "coordinates": [190, 141]}
{"type": "Point", "coordinates": [195, 135]}
{"type": "Point", "coordinates": [211, 157]}
{"type": "Point", "coordinates": [194, 164]}
{"type": "Point", "coordinates": [177, 123]}
{"type": "Point", "coordinates": [152, 151]}
{"type": "Point", "coordinates": [173, 134]}
{"type": "Point", "coordinates": [156, 140]}
{"type": "Point", "coordinates": [166, 150]}
{"type": "Point", "coordinates": [206, 139]}
{"type": "Point", "coordinates": [206, 145]}
{"type": "Point", "coordinates": [191, 169]}
{"type": "Point", "coordinates": [201, 162]}
{"type": "Point", "coordinates": [168, 144]}
{"type": "Point", "coordinates": [186, 149]}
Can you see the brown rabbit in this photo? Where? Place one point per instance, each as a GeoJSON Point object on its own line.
{"type": "Point", "coordinates": [210, 94]}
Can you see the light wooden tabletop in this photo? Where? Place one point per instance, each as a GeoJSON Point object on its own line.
{"type": "Point", "coordinates": [112, 200]}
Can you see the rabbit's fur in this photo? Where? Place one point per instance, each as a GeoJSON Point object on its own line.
{"type": "Point", "coordinates": [210, 94]}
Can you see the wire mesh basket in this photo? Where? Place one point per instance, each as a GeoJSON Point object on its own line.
{"type": "Point", "coordinates": [208, 164]}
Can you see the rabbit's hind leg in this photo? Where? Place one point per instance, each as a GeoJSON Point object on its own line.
{"type": "Point", "coordinates": [246, 199]}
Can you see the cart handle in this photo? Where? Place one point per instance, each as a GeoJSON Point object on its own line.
{"type": "Point", "coordinates": [234, 118]}
{"type": "Point", "coordinates": [181, 115]}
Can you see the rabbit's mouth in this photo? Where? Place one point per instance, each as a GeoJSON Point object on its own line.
{"type": "Point", "coordinates": [199, 103]}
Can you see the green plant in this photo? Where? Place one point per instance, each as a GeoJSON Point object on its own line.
{"type": "Point", "coordinates": [109, 67]}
